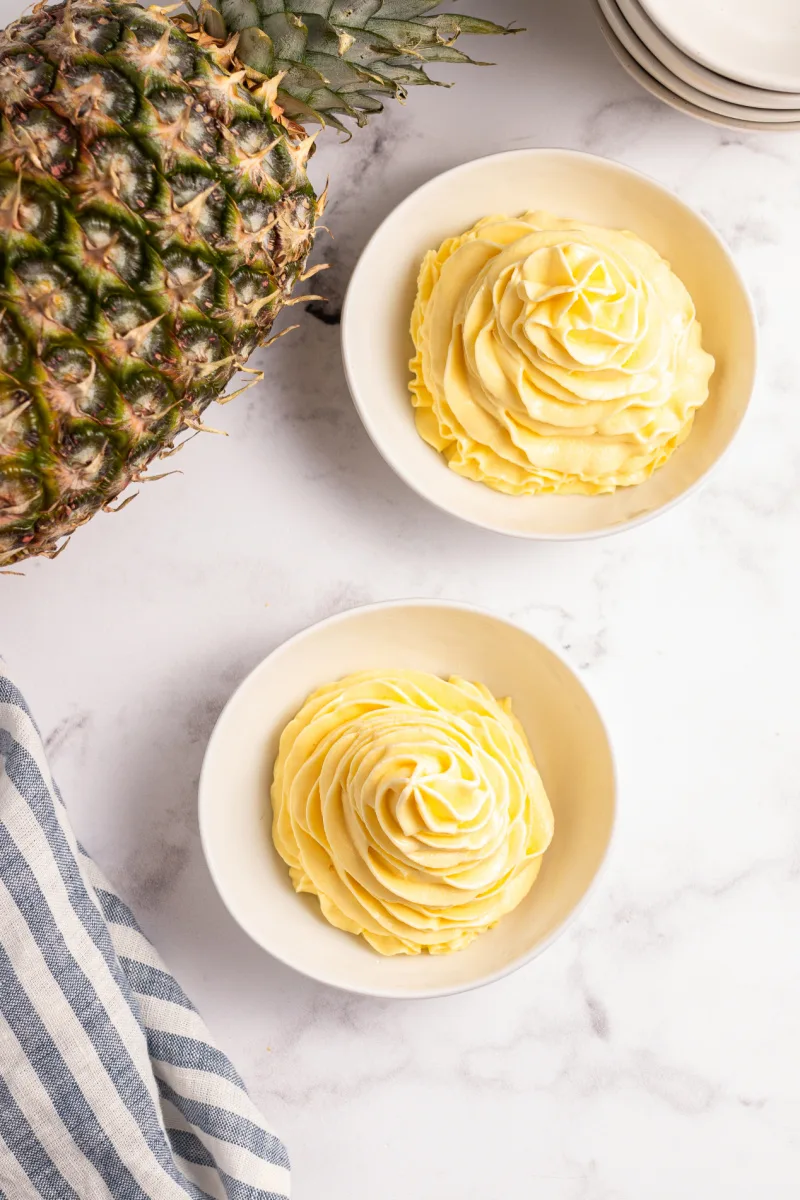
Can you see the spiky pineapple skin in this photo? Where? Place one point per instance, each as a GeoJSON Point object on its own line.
{"type": "Point", "coordinates": [154, 218]}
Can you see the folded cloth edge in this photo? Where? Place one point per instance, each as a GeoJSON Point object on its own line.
{"type": "Point", "coordinates": [110, 1085]}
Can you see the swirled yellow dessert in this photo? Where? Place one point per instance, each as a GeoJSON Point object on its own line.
{"type": "Point", "coordinates": [554, 356]}
{"type": "Point", "coordinates": [411, 806]}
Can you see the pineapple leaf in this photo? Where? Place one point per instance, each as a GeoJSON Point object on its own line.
{"type": "Point", "coordinates": [444, 52]}
{"type": "Point", "coordinates": [404, 76]}
{"type": "Point", "coordinates": [300, 79]}
{"type": "Point", "coordinates": [369, 48]}
{"type": "Point", "coordinates": [288, 35]}
{"type": "Point", "coordinates": [340, 75]}
{"type": "Point", "coordinates": [450, 25]}
{"type": "Point", "coordinates": [343, 50]}
{"type": "Point", "coordinates": [212, 21]}
{"type": "Point", "coordinates": [239, 14]}
{"type": "Point", "coordinates": [411, 36]}
{"type": "Point", "coordinates": [323, 38]}
{"type": "Point", "coordinates": [406, 10]}
{"type": "Point", "coordinates": [368, 103]}
{"type": "Point", "coordinates": [365, 104]}
{"type": "Point", "coordinates": [255, 50]}
{"type": "Point", "coordinates": [299, 111]}
{"type": "Point", "coordinates": [327, 101]}
{"type": "Point", "coordinates": [353, 13]}
{"type": "Point", "coordinates": [311, 8]}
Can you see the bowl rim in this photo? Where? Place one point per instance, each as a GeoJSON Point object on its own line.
{"type": "Point", "coordinates": [631, 65]}
{"type": "Point", "coordinates": [633, 11]}
{"type": "Point", "coordinates": [399, 467]}
{"type": "Point", "coordinates": [515, 964]}
{"type": "Point", "coordinates": [663, 73]}
{"type": "Point", "coordinates": [702, 52]}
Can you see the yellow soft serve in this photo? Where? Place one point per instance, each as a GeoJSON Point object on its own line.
{"type": "Point", "coordinates": [411, 806]}
{"type": "Point", "coordinates": [554, 356]}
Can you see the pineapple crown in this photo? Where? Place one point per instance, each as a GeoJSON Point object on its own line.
{"type": "Point", "coordinates": [335, 58]}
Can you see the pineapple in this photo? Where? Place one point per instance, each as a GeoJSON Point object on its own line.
{"type": "Point", "coordinates": [156, 215]}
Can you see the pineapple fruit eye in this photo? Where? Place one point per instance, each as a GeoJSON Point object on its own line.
{"type": "Point", "coordinates": [90, 91]}
{"type": "Point", "coordinates": [201, 343]}
{"type": "Point", "coordinates": [69, 365]}
{"type": "Point", "coordinates": [255, 212]}
{"type": "Point", "coordinates": [76, 386]}
{"type": "Point", "coordinates": [148, 395]}
{"type": "Point", "coordinates": [17, 424]}
{"type": "Point", "coordinates": [97, 36]}
{"type": "Point", "coordinates": [13, 350]}
{"type": "Point", "coordinates": [251, 136]}
{"type": "Point", "coordinates": [48, 298]}
{"type": "Point", "coordinates": [133, 334]}
{"type": "Point", "coordinates": [169, 103]}
{"type": "Point", "coordinates": [20, 495]}
{"type": "Point", "coordinates": [251, 285]}
{"type": "Point", "coordinates": [181, 128]}
{"type": "Point", "coordinates": [84, 459]}
{"type": "Point", "coordinates": [24, 77]}
{"type": "Point", "coordinates": [110, 247]}
{"type": "Point", "coordinates": [143, 48]}
{"type": "Point", "coordinates": [38, 216]}
{"type": "Point", "coordinates": [187, 186]}
{"type": "Point", "coordinates": [198, 206]}
{"type": "Point", "coordinates": [154, 414]}
{"type": "Point", "coordinates": [189, 280]}
{"type": "Point", "coordinates": [256, 157]}
{"type": "Point", "coordinates": [119, 171]}
{"type": "Point", "coordinates": [39, 142]}
{"type": "Point", "coordinates": [27, 211]}
{"type": "Point", "coordinates": [125, 313]}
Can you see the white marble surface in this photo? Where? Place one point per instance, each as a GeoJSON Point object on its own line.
{"type": "Point", "coordinates": [654, 1051]}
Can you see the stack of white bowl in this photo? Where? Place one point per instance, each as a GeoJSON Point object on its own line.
{"type": "Point", "coordinates": [731, 62]}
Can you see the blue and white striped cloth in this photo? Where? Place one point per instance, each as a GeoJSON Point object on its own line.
{"type": "Point", "coordinates": [109, 1083]}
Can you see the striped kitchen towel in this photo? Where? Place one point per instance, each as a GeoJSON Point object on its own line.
{"type": "Point", "coordinates": [110, 1085]}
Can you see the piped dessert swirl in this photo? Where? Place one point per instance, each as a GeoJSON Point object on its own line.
{"type": "Point", "coordinates": [411, 806]}
{"type": "Point", "coordinates": [553, 356]}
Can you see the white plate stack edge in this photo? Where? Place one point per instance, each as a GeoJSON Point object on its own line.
{"type": "Point", "coordinates": [731, 62]}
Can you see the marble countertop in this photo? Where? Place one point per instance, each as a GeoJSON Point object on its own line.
{"type": "Point", "coordinates": [654, 1051]}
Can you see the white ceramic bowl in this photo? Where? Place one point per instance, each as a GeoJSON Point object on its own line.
{"type": "Point", "coordinates": [377, 346]}
{"type": "Point", "coordinates": [754, 41]}
{"type": "Point", "coordinates": [613, 13]}
{"type": "Point", "coordinates": [569, 741]}
{"type": "Point", "coordinates": [695, 73]}
{"type": "Point", "coordinates": [656, 88]}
